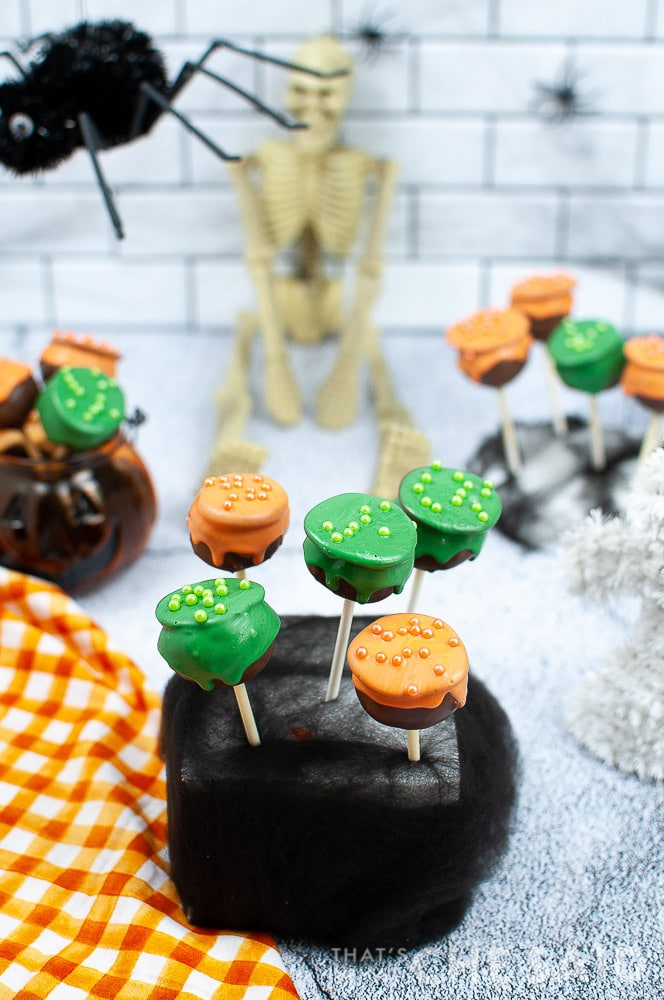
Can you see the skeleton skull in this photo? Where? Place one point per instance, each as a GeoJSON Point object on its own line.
{"type": "Point", "coordinates": [319, 103]}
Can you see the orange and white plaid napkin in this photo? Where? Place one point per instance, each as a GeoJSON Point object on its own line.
{"type": "Point", "coordinates": [87, 908]}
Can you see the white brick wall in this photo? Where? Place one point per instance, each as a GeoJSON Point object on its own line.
{"type": "Point", "coordinates": [488, 191]}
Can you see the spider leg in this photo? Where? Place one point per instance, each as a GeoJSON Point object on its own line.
{"type": "Point", "coordinates": [152, 94]}
{"type": "Point", "coordinates": [224, 43]}
{"type": "Point", "coordinates": [277, 116]}
{"type": "Point", "coordinates": [12, 58]}
{"type": "Point", "coordinates": [93, 143]}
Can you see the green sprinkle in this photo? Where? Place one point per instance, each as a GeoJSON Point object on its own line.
{"type": "Point", "coordinates": [348, 532]}
{"type": "Point", "coordinates": [245, 584]}
{"type": "Point", "coordinates": [488, 483]}
{"type": "Point", "coordinates": [458, 477]}
{"type": "Point", "coordinates": [436, 507]}
{"type": "Point", "coordinates": [187, 589]}
{"type": "Point", "coordinates": [327, 526]}
{"type": "Point", "coordinates": [200, 615]}
{"type": "Point", "coordinates": [461, 492]}
{"type": "Point", "coordinates": [483, 516]}
{"type": "Point", "coordinates": [437, 465]}
{"type": "Point", "coordinates": [418, 488]}
{"type": "Point", "coordinates": [385, 505]}
{"type": "Point", "coordinates": [220, 609]}
{"type": "Point", "coordinates": [222, 590]}
{"type": "Point", "coordinates": [199, 590]}
{"type": "Point", "coordinates": [191, 599]}
{"type": "Point", "coordinates": [426, 477]}
{"type": "Point", "coordinates": [365, 519]}
{"type": "Point", "coordinates": [384, 531]}
{"type": "Point", "coordinates": [336, 536]}
{"type": "Point", "coordinates": [468, 485]}
{"type": "Point", "coordinates": [174, 605]}
{"type": "Point", "coordinates": [457, 501]}
{"type": "Point", "coordinates": [365, 509]}
{"type": "Point", "coordinates": [426, 501]}
{"type": "Point", "coordinates": [208, 601]}
{"type": "Point", "coordinates": [476, 507]}
{"type": "Point", "coordinates": [486, 492]}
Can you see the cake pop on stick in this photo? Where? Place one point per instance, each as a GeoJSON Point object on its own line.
{"type": "Point", "coordinates": [453, 510]}
{"type": "Point", "coordinates": [643, 378]}
{"type": "Point", "coordinates": [360, 547]}
{"type": "Point", "coordinates": [546, 300]}
{"type": "Point", "coordinates": [81, 407]}
{"type": "Point", "coordinates": [410, 672]}
{"type": "Point", "coordinates": [588, 355]}
{"type": "Point", "coordinates": [493, 347]}
{"type": "Point", "coordinates": [219, 632]}
{"type": "Point", "coordinates": [238, 520]}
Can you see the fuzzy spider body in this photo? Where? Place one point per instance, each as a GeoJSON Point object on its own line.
{"type": "Point", "coordinates": [98, 85]}
{"type": "Point", "coordinates": [96, 69]}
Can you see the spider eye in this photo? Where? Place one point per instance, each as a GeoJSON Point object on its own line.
{"type": "Point", "coordinates": [21, 126]}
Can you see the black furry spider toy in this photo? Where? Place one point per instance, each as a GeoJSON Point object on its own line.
{"type": "Point", "coordinates": [99, 85]}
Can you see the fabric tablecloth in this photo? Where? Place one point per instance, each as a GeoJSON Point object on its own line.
{"type": "Point", "coordinates": [87, 907]}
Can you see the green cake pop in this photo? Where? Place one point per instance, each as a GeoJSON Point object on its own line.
{"type": "Point", "coordinates": [81, 407]}
{"type": "Point", "coordinates": [589, 356]}
{"type": "Point", "coordinates": [219, 632]}
{"type": "Point", "coordinates": [453, 510]}
{"type": "Point", "coordinates": [361, 547]}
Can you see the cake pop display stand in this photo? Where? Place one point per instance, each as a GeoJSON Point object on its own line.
{"type": "Point", "coordinates": [558, 484]}
{"type": "Point", "coordinates": [326, 831]}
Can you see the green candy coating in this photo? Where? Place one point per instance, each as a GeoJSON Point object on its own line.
{"type": "Point", "coordinates": [458, 517]}
{"type": "Point", "coordinates": [378, 551]}
{"type": "Point", "coordinates": [81, 407]}
{"type": "Point", "coordinates": [208, 643]}
{"type": "Point", "coordinates": [588, 354]}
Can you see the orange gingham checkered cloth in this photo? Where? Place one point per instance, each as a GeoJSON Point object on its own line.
{"type": "Point", "coordinates": [87, 908]}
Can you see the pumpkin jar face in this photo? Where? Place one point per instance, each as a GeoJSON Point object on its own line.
{"type": "Point", "coordinates": [77, 520]}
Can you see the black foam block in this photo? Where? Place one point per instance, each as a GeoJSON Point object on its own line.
{"type": "Point", "coordinates": [326, 831]}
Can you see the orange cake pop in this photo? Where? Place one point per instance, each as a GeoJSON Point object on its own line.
{"type": "Point", "coordinates": [643, 375]}
{"type": "Point", "coordinates": [545, 300]}
{"type": "Point", "coordinates": [410, 671]}
{"type": "Point", "coordinates": [74, 350]}
{"type": "Point", "coordinates": [493, 347]}
{"type": "Point", "coordinates": [238, 520]}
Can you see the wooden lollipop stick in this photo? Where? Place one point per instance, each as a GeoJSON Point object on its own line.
{"type": "Point", "coordinates": [340, 647]}
{"type": "Point", "coordinates": [418, 576]}
{"type": "Point", "coordinates": [651, 439]}
{"type": "Point", "coordinates": [597, 448]}
{"type": "Point", "coordinates": [248, 720]}
{"type": "Point", "coordinates": [508, 431]}
{"type": "Point", "coordinates": [413, 744]}
{"type": "Point", "coordinates": [558, 417]}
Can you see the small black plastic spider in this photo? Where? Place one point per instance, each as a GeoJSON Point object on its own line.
{"type": "Point", "coordinates": [370, 32]}
{"type": "Point", "coordinates": [562, 100]}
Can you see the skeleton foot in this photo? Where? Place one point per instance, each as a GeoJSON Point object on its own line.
{"type": "Point", "coordinates": [282, 396]}
{"type": "Point", "coordinates": [402, 448]}
{"type": "Point", "coordinates": [619, 714]}
{"type": "Point", "coordinates": [236, 456]}
{"type": "Point", "coordinates": [337, 400]}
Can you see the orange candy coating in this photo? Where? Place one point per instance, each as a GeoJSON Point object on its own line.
{"type": "Point", "coordinates": [488, 339]}
{"type": "Point", "coordinates": [241, 513]}
{"type": "Point", "coordinates": [409, 670]}
{"type": "Point", "coordinates": [643, 375]}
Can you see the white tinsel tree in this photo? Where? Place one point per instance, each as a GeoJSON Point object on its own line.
{"type": "Point", "coordinates": [618, 713]}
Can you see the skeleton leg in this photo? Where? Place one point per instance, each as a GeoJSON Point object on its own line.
{"type": "Point", "coordinates": [338, 398]}
{"type": "Point", "coordinates": [230, 452]}
{"type": "Point", "coordinates": [282, 396]}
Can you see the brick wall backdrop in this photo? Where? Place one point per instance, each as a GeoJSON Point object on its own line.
{"type": "Point", "coordinates": [490, 189]}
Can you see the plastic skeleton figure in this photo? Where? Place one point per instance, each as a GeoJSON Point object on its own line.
{"type": "Point", "coordinates": [619, 713]}
{"type": "Point", "coordinates": [306, 196]}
